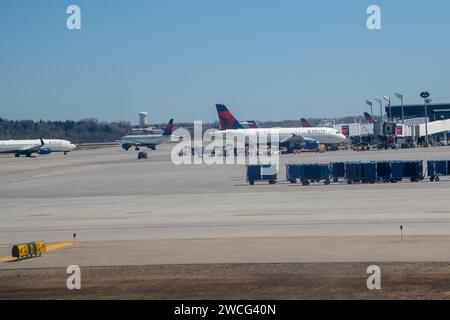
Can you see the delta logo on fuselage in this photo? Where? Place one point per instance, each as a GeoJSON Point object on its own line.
{"type": "Point", "coordinates": [291, 138]}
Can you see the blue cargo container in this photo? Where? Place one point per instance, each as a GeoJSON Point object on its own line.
{"type": "Point", "coordinates": [352, 172]}
{"type": "Point", "coordinates": [315, 173]}
{"type": "Point", "coordinates": [419, 165]}
{"type": "Point", "coordinates": [397, 168]}
{"type": "Point", "coordinates": [384, 172]}
{"type": "Point", "coordinates": [261, 172]}
{"type": "Point", "coordinates": [337, 170]}
{"type": "Point", "coordinates": [369, 172]}
{"type": "Point", "coordinates": [406, 169]}
{"type": "Point", "coordinates": [293, 172]}
{"type": "Point", "coordinates": [308, 173]}
{"type": "Point", "coordinates": [437, 168]}
{"type": "Point", "coordinates": [365, 172]}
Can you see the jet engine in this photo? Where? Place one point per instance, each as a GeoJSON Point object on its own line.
{"type": "Point", "coordinates": [45, 150]}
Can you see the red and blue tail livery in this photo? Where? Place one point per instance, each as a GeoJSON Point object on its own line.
{"type": "Point", "coordinates": [169, 129]}
{"type": "Point", "coordinates": [305, 123]}
{"type": "Point", "coordinates": [226, 118]}
{"type": "Point", "coordinates": [368, 118]}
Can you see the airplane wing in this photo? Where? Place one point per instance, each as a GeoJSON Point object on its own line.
{"type": "Point", "coordinates": [32, 148]}
{"type": "Point", "coordinates": [294, 139]}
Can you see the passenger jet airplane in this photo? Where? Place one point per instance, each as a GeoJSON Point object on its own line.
{"type": "Point", "coordinates": [147, 140]}
{"type": "Point", "coordinates": [290, 138]}
{"type": "Point", "coordinates": [41, 146]}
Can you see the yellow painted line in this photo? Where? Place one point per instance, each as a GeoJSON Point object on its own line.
{"type": "Point", "coordinates": [49, 248]}
{"type": "Point", "coordinates": [59, 245]}
{"type": "Point", "coordinates": [7, 259]}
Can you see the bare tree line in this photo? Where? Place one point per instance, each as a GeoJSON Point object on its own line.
{"type": "Point", "coordinates": [92, 130]}
{"type": "Point", "coordinates": [83, 131]}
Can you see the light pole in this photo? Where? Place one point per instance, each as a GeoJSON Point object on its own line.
{"type": "Point", "coordinates": [427, 102]}
{"type": "Point", "coordinates": [388, 99]}
{"type": "Point", "coordinates": [370, 104]}
{"type": "Point", "coordinates": [400, 96]}
{"type": "Point", "coordinates": [381, 108]}
{"type": "Point", "coordinates": [425, 95]}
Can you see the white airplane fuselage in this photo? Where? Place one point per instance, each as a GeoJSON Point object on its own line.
{"type": "Point", "coordinates": [145, 140]}
{"type": "Point", "coordinates": [322, 135]}
{"type": "Point", "coordinates": [19, 146]}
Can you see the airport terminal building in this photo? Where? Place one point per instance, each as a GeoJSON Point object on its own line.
{"type": "Point", "coordinates": [414, 126]}
{"type": "Point", "coordinates": [435, 111]}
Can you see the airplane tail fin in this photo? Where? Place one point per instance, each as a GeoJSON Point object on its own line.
{"type": "Point", "coordinates": [253, 124]}
{"type": "Point", "coordinates": [42, 141]}
{"type": "Point", "coordinates": [305, 123]}
{"type": "Point", "coordinates": [169, 129]}
{"type": "Point", "coordinates": [368, 118]}
{"type": "Point", "coordinates": [226, 118]}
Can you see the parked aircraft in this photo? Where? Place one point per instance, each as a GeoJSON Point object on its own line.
{"type": "Point", "coordinates": [147, 140]}
{"type": "Point", "coordinates": [41, 146]}
{"type": "Point", "coordinates": [291, 138]}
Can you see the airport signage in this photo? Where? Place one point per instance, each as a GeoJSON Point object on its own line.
{"type": "Point", "coordinates": [345, 130]}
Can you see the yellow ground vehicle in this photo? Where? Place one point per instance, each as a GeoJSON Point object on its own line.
{"type": "Point", "coordinates": [28, 250]}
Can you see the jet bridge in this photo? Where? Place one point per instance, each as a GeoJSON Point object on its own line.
{"type": "Point", "coordinates": [434, 127]}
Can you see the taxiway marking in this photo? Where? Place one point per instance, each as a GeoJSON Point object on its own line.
{"type": "Point", "coordinates": [49, 248]}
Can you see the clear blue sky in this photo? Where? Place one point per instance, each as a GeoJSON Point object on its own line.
{"type": "Point", "coordinates": [268, 60]}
